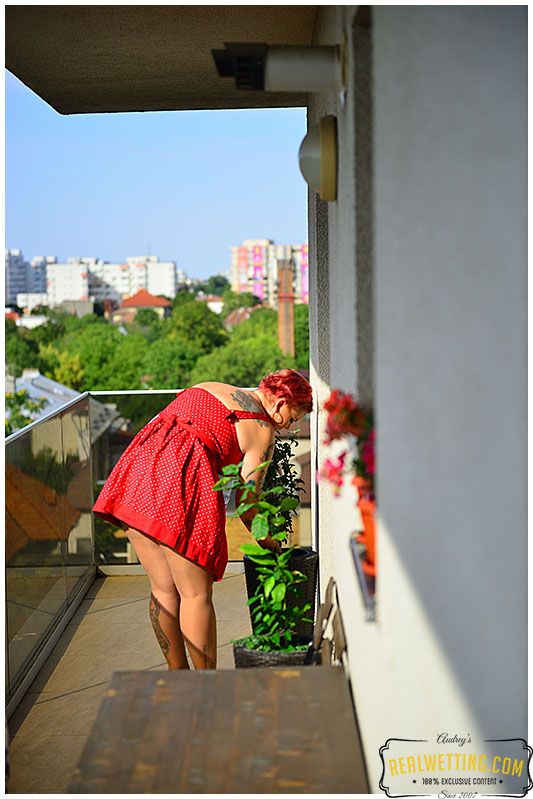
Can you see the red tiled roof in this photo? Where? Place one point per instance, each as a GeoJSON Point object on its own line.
{"type": "Point", "coordinates": [144, 300]}
{"type": "Point", "coordinates": [12, 315]}
{"type": "Point", "coordinates": [237, 316]}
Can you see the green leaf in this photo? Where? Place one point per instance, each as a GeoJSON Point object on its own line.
{"type": "Point", "coordinates": [284, 558]}
{"type": "Point", "coordinates": [257, 468]}
{"type": "Point", "coordinates": [232, 468]}
{"type": "Point", "coordinates": [275, 490]}
{"type": "Point", "coordinates": [266, 506]}
{"type": "Point", "coordinates": [223, 482]}
{"type": "Point", "coordinates": [298, 576]}
{"type": "Point", "coordinates": [269, 585]}
{"type": "Point", "coordinates": [254, 550]}
{"type": "Point", "coordinates": [289, 503]}
{"type": "Point", "coordinates": [260, 528]}
{"type": "Point", "coordinates": [243, 508]}
{"type": "Point", "coordinates": [278, 593]}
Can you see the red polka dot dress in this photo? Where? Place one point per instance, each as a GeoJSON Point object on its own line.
{"type": "Point", "coordinates": [163, 483]}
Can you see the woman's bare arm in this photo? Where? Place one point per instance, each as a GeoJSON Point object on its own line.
{"type": "Point", "coordinates": [259, 451]}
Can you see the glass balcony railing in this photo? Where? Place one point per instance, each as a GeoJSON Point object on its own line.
{"type": "Point", "coordinates": [54, 470]}
{"type": "Point", "coordinates": [48, 530]}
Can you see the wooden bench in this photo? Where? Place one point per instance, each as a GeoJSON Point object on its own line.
{"type": "Point", "coordinates": [259, 730]}
{"type": "Point", "coordinates": [289, 730]}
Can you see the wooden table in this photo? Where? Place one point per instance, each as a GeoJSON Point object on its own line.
{"type": "Point", "coordinates": [285, 730]}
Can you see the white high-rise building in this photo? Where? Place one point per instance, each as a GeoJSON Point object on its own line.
{"type": "Point", "coordinates": [39, 265]}
{"type": "Point", "coordinates": [160, 276]}
{"type": "Point", "coordinates": [23, 277]}
{"type": "Point", "coordinates": [98, 280]}
{"type": "Point", "coordinates": [254, 267]}
{"type": "Point", "coordinates": [68, 281]}
{"type": "Point", "coordinates": [16, 275]}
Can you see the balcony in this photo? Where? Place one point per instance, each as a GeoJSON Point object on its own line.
{"type": "Point", "coordinates": [108, 632]}
{"type": "Point", "coordinates": [77, 600]}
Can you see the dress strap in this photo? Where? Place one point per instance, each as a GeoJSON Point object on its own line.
{"type": "Point", "coordinates": [248, 415]}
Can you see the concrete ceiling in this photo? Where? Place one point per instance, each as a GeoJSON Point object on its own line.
{"type": "Point", "coordinates": [89, 59]}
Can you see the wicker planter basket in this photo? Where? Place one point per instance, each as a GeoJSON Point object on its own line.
{"type": "Point", "coordinates": [305, 560]}
{"type": "Point", "coordinates": [256, 658]}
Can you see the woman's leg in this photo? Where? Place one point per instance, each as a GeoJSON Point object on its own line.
{"type": "Point", "coordinates": [197, 614]}
{"type": "Point", "coordinates": [164, 599]}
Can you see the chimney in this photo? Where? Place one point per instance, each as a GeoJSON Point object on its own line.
{"type": "Point", "coordinates": [285, 308]}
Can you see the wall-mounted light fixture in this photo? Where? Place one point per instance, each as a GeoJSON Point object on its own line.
{"type": "Point", "coordinates": [282, 68]}
{"type": "Point", "coordinates": [318, 158]}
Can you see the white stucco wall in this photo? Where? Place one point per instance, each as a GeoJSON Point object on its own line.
{"type": "Point", "coordinates": [448, 650]}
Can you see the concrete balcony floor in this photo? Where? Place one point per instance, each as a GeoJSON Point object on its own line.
{"type": "Point", "coordinates": [109, 632]}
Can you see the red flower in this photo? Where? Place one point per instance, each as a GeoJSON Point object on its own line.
{"type": "Point", "coordinates": [344, 417]}
{"type": "Point", "coordinates": [367, 453]}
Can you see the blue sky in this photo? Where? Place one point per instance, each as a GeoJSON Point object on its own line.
{"type": "Point", "coordinates": [182, 185]}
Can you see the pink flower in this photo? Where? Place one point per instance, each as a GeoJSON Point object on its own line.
{"type": "Point", "coordinates": [333, 472]}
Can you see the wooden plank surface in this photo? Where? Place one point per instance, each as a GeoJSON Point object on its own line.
{"type": "Point", "coordinates": [287, 730]}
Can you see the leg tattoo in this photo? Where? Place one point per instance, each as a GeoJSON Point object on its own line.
{"type": "Point", "coordinates": [162, 640]}
{"type": "Point", "coordinates": [209, 663]}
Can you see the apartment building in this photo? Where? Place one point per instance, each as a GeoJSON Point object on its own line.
{"type": "Point", "coordinates": [160, 276]}
{"type": "Point", "coordinates": [23, 277]}
{"type": "Point", "coordinates": [98, 280]}
{"type": "Point", "coordinates": [254, 267]}
{"type": "Point", "coordinates": [68, 281]}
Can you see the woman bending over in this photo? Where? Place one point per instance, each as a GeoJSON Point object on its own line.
{"type": "Point", "coordinates": [161, 493]}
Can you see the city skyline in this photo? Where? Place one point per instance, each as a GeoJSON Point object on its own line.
{"type": "Point", "coordinates": [183, 185]}
{"type": "Point", "coordinates": [42, 280]}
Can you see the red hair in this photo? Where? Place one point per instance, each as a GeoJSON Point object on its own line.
{"type": "Point", "coordinates": [288, 384]}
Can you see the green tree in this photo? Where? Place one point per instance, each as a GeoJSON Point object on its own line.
{"type": "Point", "coordinates": [127, 363]}
{"type": "Point", "coordinates": [146, 317]}
{"type": "Point", "coordinates": [301, 336]}
{"type": "Point", "coordinates": [69, 371]}
{"type": "Point", "coordinates": [50, 356]}
{"type": "Point", "coordinates": [217, 285]}
{"type": "Point", "coordinates": [183, 296]}
{"type": "Point", "coordinates": [96, 347]}
{"type": "Point", "coordinates": [168, 363]}
{"type": "Point", "coordinates": [109, 359]}
{"type": "Point", "coordinates": [148, 323]}
{"type": "Point", "coordinates": [19, 409]}
{"type": "Point", "coordinates": [262, 321]}
{"type": "Point", "coordinates": [52, 331]}
{"type": "Point", "coordinates": [21, 352]}
{"type": "Point", "coordinates": [195, 323]}
{"type": "Point", "coordinates": [232, 301]}
{"type": "Point", "coordinates": [242, 363]}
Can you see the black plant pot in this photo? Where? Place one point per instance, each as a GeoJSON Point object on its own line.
{"type": "Point", "coordinates": [305, 560]}
{"type": "Point", "coordinates": [257, 658]}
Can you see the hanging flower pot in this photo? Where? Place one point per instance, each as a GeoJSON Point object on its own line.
{"type": "Point", "coordinates": [348, 422]}
{"type": "Point", "coordinates": [367, 508]}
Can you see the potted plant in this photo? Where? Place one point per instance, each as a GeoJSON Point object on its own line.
{"type": "Point", "coordinates": [274, 640]}
{"type": "Point", "coordinates": [281, 475]}
{"type": "Point", "coordinates": [349, 422]}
